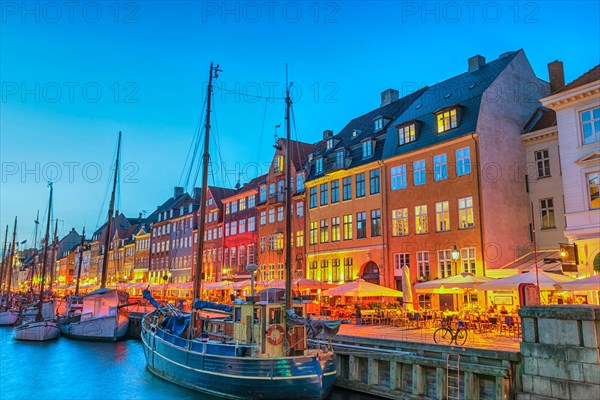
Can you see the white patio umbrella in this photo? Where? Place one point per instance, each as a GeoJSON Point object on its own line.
{"type": "Point", "coordinates": [305, 283]}
{"type": "Point", "coordinates": [406, 288]}
{"type": "Point", "coordinates": [589, 283]}
{"type": "Point", "coordinates": [453, 284]}
{"type": "Point", "coordinates": [547, 281]}
{"type": "Point", "coordinates": [362, 288]}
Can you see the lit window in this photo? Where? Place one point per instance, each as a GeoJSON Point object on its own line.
{"type": "Point", "coordinates": [407, 134]}
{"type": "Point", "coordinates": [593, 184]}
{"type": "Point", "coordinates": [423, 264]}
{"type": "Point", "coordinates": [421, 224]}
{"type": "Point", "coordinates": [299, 238]}
{"type": "Point", "coordinates": [547, 213]}
{"type": "Point", "coordinates": [442, 216]}
{"type": "Point", "coordinates": [242, 204]}
{"type": "Point", "coordinates": [465, 213]}
{"type": "Point", "coordinates": [313, 233]}
{"type": "Point", "coordinates": [324, 231]}
{"type": "Point", "coordinates": [348, 227]}
{"type": "Point", "coordinates": [444, 263]}
{"type": "Point", "coordinates": [590, 126]}
{"type": "Point", "coordinates": [400, 222]}
{"type": "Point", "coordinates": [468, 260]}
{"type": "Point", "coordinates": [335, 229]}
{"type": "Point", "coordinates": [335, 270]}
{"type": "Point", "coordinates": [446, 120]}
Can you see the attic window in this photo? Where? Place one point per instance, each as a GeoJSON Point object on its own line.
{"type": "Point", "coordinates": [367, 149]}
{"type": "Point", "coordinates": [407, 134]}
{"type": "Point", "coordinates": [355, 133]}
{"type": "Point", "coordinates": [329, 144]}
{"type": "Point", "coordinates": [319, 166]}
{"type": "Point", "coordinates": [446, 120]}
{"type": "Point", "coordinates": [378, 124]}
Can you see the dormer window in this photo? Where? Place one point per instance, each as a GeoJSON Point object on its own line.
{"type": "Point", "coordinates": [339, 159]}
{"type": "Point", "coordinates": [279, 164]}
{"type": "Point", "coordinates": [447, 119]}
{"type": "Point", "coordinates": [367, 149]}
{"type": "Point", "coordinates": [329, 144]}
{"type": "Point", "coordinates": [407, 134]}
{"type": "Point", "coordinates": [356, 133]}
{"type": "Point", "coordinates": [319, 166]}
{"type": "Point", "coordinates": [378, 124]}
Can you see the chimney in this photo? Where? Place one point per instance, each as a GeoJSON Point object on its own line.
{"type": "Point", "coordinates": [388, 96]}
{"type": "Point", "coordinates": [476, 62]}
{"type": "Point", "coordinates": [556, 74]}
{"type": "Point", "coordinates": [178, 191]}
{"type": "Point", "coordinates": [197, 192]}
{"type": "Point", "coordinates": [327, 134]}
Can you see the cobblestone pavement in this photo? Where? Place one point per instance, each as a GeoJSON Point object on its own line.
{"type": "Point", "coordinates": [489, 341]}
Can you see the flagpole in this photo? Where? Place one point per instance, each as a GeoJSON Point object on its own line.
{"type": "Point", "coordinates": [537, 277]}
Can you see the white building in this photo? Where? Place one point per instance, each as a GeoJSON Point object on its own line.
{"type": "Point", "coordinates": [577, 107]}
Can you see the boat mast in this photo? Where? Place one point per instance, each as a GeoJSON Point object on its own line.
{"type": "Point", "coordinates": [214, 73]}
{"type": "Point", "coordinates": [36, 222]}
{"type": "Point", "coordinates": [288, 205]}
{"type": "Point", "coordinates": [80, 261]}
{"type": "Point", "coordinates": [54, 255]}
{"type": "Point", "coordinates": [47, 238]}
{"type": "Point", "coordinates": [2, 269]}
{"type": "Point", "coordinates": [11, 258]}
{"type": "Point", "coordinates": [110, 216]}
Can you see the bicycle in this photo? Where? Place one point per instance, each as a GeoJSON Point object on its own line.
{"type": "Point", "coordinates": [447, 336]}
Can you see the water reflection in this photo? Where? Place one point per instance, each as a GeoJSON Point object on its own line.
{"type": "Point", "coordinates": [67, 369]}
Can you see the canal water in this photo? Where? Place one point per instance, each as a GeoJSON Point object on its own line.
{"type": "Point", "coordinates": [67, 369]}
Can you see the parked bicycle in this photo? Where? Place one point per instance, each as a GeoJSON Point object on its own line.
{"type": "Point", "coordinates": [447, 335]}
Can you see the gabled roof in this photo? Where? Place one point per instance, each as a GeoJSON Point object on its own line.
{"type": "Point", "coordinates": [253, 184]}
{"type": "Point", "coordinates": [219, 193]}
{"type": "Point", "coordinates": [464, 90]}
{"type": "Point", "coordinates": [298, 152]}
{"type": "Point", "coordinates": [592, 75]}
{"type": "Point", "coordinates": [542, 118]}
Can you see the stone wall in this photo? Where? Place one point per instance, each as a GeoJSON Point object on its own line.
{"type": "Point", "coordinates": [560, 352]}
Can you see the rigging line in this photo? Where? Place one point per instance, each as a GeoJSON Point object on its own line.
{"type": "Point", "coordinates": [225, 180]}
{"type": "Point", "coordinates": [106, 189]}
{"type": "Point", "coordinates": [262, 132]}
{"type": "Point", "coordinates": [230, 91]}
{"type": "Point", "coordinates": [215, 138]}
{"type": "Point", "coordinates": [196, 145]}
{"type": "Point", "coordinates": [193, 147]}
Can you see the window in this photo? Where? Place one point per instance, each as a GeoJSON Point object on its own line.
{"type": "Point", "coordinates": [271, 271]}
{"type": "Point", "coordinates": [463, 161]}
{"type": "Point", "coordinates": [398, 177]}
{"type": "Point", "coordinates": [313, 197]}
{"type": "Point", "coordinates": [467, 258]}
{"type": "Point", "coordinates": [547, 211]}
{"type": "Point", "coordinates": [339, 159]}
{"type": "Point", "coordinates": [361, 225]}
{"type": "Point", "coordinates": [593, 184]}
{"type": "Point", "coordinates": [406, 134]}
{"type": "Point", "coordinates": [278, 165]}
{"type": "Point", "coordinates": [313, 233]}
{"type": "Point", "coordinates": [271, 190]}
{"type": "Point", "coordinates": [360, 185]}
{"type": "Point", "coordinates": [263, 244]}
{"type": "Point", "coordinates": [319, 166]}
{"type": "Point", "coordinates": [329, 144]}
{"type": "Point", "coordinates": [262, 194]}
{"type": "Point", "coordinates": [348, 227]}
{"type": "Point", "coordinates": [374, 181]}
{"type": "Point", "coordinates": [234, 228]}
{"type": "Point", "coordinates": [465, 213]}
{"type": "Point", "coordinates": [335, 191]}
{"type": "Point", "coordinates": [280, 190]}
{"type": "Point", "coordinates": [423, 265]}
{"type": "Point", "coordinates": [590, 126]}
{"type": "Point", "coordinates": [251, 253]}
{"type": "Point", "coordinates": [243, 226]}
{"type": "Point", "coordinates": [251, 224]}
{"type": "Point", "coordinates": [542, 161]}
{"type": "Point", "coordinates": [300, 182]}
{"type": "Point", "coordinates": [442, 216]}
{"type": "Point", "coordinates": [335, 270]}
{"type": "Point", "coordinates": [400, 260]}
{"type": "Point", "coordinates": [324, 194]}
{"type": "Point", "coordinates": [419, 174]}
{"type": "Point", "coordinates": [446, 120]}
{"type": "Point", "coordinates": [324, 270]}
{"type": "Point", "coordinates": [378, 124]}
{"type": "Point", "coordinates": [279, 214]}
{"type": "Point", "coordinates": [234, 207]}
{"type": "Point", "coordinates": [440, 167]}
{"type": "Point", "coordinates": [233, 252]}
{"type": "Point", "coordinates": [227, 225]}
{"type": "Point", "coordinates": [424, 301]}
{"type": "Point", "coordinates": [444, 263]}
{"type": "Point", "coordinates": [335, 229]}
{"type": "Point", "coordinates": [312, 270]}
{"type": "Point", "coordinates": [263, 217]}
{"type": "Point", "coordinates": [347, 188]}
{"type": "Point", "coordinates": [367, 149]}
{"type": "Point", "coordinates": [324, 231]}
{"type": "Point", "coordinates": [400, 222]}
{"type": "Point", "coordinates": [251, 201]}
{"type": "Point", "coordinates": [242, 204]}
{"type": "Point", "coordinates": [271, 215]}
{"type": "Point", "coordinates": [299, 209]}
{"type": "Point", "coordinates": [421, 225]}
{"type": "Point", "coordinates": [348, 270]}
{"type": "Point", "coordinates": [299, 238]}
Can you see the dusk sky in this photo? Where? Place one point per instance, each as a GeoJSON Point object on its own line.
{"type": "Point", "coordinates": [75, 74]}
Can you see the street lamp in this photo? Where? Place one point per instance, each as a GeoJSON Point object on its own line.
{"type": "Point", "coordinates": [252, 269]}
{"type": "Point", "coordinates": [455, 255]}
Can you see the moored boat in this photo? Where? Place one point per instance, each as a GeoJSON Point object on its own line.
{"type": "Point", "coordinates": [9, 317]}
{"type": "Point", "coordinates": [37, 331]}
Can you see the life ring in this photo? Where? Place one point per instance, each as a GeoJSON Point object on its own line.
{"type": "Point", "coordinates": [275, 339]}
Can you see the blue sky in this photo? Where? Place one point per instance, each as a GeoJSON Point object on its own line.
{"type": "Point", "coordinates": [74, 75]}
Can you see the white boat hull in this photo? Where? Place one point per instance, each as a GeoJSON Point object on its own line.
{"type": "Point", "coordinates": [8, 318]}
{"type": "Point", "coordinates": [47, 311]}
{"type": "Point", "coordinates": [104, 329]}
{"type": "Point", "coordinates": [37, 331]}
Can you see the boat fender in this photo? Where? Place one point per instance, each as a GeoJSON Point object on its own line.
{"type": "Point", "coordinates": [275, 339]}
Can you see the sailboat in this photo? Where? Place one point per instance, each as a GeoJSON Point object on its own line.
{"type": "Point", "coordinates": [8, 315]}
{"type": "Point", "coordinates": [40, 329]}
{"type": "Point", "coordinates": [103, 317]}
{"type": "Point", "coordinates": [257, 350]}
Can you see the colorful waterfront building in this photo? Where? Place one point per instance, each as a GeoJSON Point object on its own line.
{"type": "Point", "coordinates": [141, 256]}
{"type": "Point", "coordinates": [271, 211]}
